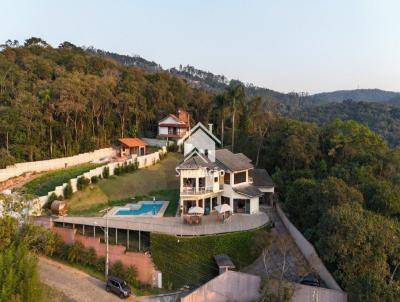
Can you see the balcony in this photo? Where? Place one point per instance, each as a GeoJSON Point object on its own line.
{"type": "Point", "coordinates": [193, 191]}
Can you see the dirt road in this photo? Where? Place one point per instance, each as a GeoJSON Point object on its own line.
{"type": "Point", "coordinates": [76, 285]}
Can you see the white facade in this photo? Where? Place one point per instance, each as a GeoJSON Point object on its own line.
{"type": "Point", "coordinates": [207, 188]}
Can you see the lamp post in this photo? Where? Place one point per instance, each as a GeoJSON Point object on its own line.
{"type": "Point", "coordinates": [106, 235]}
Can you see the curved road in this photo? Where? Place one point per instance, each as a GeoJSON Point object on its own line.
{"type": "Point", "coordinates": [76, 285]}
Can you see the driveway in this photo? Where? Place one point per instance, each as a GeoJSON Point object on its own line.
{"type": "Point", "coordinates": [76, 285]}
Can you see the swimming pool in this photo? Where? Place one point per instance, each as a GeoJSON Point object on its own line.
{"type": "Point", "coordinates": [149, 208]}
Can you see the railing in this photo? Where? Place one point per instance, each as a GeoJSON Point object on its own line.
{"type": "Point", "coordinates": [193, 191]}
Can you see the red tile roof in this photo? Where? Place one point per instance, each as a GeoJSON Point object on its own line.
{"type": "Point", "coordinates": [132, 142]}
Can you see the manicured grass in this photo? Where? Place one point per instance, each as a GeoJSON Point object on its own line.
{"type": "Point", "coordinates": [154, 178]}
{"type": "Point", "coordinates": [189, 261]}
{"type": "Point", "coordinates": [88, 200]}
{"type": "Point", "coordinates": [159, 180]}
{"type": "Point", "coordinates": [42, 185]}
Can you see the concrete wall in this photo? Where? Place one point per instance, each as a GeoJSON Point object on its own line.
{"type": "Point", "coordinates": [143, 263]}
{"type": "Point", "coordinates": [304, 293]}
{"type": "Point", "coordinates": [53, 164]}
{"type": "Point", "coordinates": [230, 286]}
{"type": "Point", "coordinates": [309, 252]}
{"type": "Point", "coordinates": [143, 161]}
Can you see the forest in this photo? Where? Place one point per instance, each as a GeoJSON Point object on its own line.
{"type": "Point", "coordinates": [339, 181]}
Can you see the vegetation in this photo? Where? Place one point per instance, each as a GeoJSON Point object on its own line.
{"type": "Point", "coordinates": [42, 185]}
{"type": "Point", "coordinates": [189, 261]}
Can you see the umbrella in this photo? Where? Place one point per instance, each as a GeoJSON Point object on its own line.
{"type": "Point", "coordinates": [222, 208]}
{"type": "Point", "coordinates": [196, 210]}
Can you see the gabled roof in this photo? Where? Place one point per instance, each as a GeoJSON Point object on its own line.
{"type": "Point", "coordinates": [132, 142]}
{"type": "Point", "coordinates": [199, 127]}
{"type": "Point", "coordinates": [197, 162]}
{"type": "Point", "coordinates": [178, 122]}
{"type": "Point", "coordinates": [231, 161]}
{"type": "Point", "coordinates": [247, 190]}
{"type": "Point", "coordinates": [261, 178]}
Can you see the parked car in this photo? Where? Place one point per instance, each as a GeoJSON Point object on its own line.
{"type": "Point", "coordinates": [118, 286]}
{"type": "Point", "coordinates": [311, 279]}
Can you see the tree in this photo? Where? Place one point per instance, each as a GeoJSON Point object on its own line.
{"type": "Point", "coordinates": [235, 95]}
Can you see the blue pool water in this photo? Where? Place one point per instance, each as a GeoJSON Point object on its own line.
{"type": "Point", "coordinates": [144, 209]}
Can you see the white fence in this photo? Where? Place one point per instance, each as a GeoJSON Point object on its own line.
{"type": "Point", "coordinates": [143, 161]}
{"type": "Point", "coordinates": [53, 164]}
{"type": "Point", "coordinates": [308, 250]}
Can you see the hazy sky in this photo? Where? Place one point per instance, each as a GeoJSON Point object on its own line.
{"type": "Point", "coordinates": [284, 45]}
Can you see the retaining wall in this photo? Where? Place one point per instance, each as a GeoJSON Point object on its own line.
{"type": "Point", "coordinates": [53, 164]}
{"type": "Point", "coordinates": [308, 251]}
{"type": "Point", "coordinates": [143, 161]}
{"type": "Point", "coordinates": [147, 273]}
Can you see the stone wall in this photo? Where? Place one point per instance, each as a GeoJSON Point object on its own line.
{"type": "Point", "coordinates": [53, 164]}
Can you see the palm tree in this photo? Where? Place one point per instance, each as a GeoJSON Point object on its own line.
{"type": "Point", "coordinates": [222, 107]}
{"type": "Point", "coordinates": [235, 94]}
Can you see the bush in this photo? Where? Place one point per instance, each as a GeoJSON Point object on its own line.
{"type": "Point", "coordinates": [82, 183]}
{"type": "Point", "coordinates": [106, 172]}
{"type": "Point", "coordinates": [68, 191]}
{"type": "Point", "coordinates": [75, 252]}
{"type": "Point", "coordinates": [89, 257]}
{"type": "Point", "coordinates": [128, 274]}
{"type": "Point", "coordinates": [94, 179]}
{"type": "Point", "coordinates": [117, 269]}
{"type": "Point", "coordinates": [117, 170]}
{"type": "Point", "coordinates": [100, 264]}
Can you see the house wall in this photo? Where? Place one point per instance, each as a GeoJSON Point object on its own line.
{"type": "Point", "coordinates": [254, 202]}
{"type": "Point", "coordinates": [201, 141]}
{"type": "Point", "coordinates": [162, 130]}
{"type": "Point", "coordinates": [309, 252]}
{"type": "Point", "coordinates": [53, 164]}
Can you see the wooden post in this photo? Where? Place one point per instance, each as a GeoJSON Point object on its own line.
{"type": "Point", "coordinates": [94, 231]}
{"type": "Point", "coordinates": [116, 236]}
{"type": "Point", "coordinates": [83, 229]}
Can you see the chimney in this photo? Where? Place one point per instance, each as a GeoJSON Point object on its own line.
{"type": "Point", "coordinates": [210, 126]}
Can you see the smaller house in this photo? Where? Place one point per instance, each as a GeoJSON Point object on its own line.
{"type": "Point", "coordinates": [132, 146]}
{"type": "Point", "coordinates": [224, 263]}
{"type": "Point", "coordinates": [174, 127]}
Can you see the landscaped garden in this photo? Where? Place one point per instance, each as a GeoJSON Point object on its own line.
{"type": "Point", "coordinates": [158, 181]}
{"type": "Point", "coordinates": [42, 185]}
{"type": "Point", "coordinates": [189, 261]}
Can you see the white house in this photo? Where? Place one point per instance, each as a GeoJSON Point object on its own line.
{"type": "Point", "coordinates": [210, 177]}
{"type": "Point", "coordinates": [174, 127]}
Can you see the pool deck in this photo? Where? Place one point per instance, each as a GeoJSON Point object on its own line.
{"type": "Point", "coordinates": [173, 225]}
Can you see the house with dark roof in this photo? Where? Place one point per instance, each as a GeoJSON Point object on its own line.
{"type": "Point", "coordinates": [174, 127]}
{"type": "Point", "coordinates": [210, 177]}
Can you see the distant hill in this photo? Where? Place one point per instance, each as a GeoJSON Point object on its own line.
{"type": "Point", "coordinates": [382, 118]}
{"type": "Point", "coordinates": [357, 95]}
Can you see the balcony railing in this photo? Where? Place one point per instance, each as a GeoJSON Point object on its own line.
{"type": "Point", "coordinates": [193, 191]}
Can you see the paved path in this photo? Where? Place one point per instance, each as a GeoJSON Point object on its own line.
{"type": "Point", "coordinates": [76, 285]}
{"type": "Point", "coordinates": [296, 264]}
{"type": "Point", "coordinates": [174, 225]}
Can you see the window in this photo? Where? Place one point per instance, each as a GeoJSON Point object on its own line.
{"type": "Point", "coordinates": [227, 178]}
{"type": "Point", "coordinates": [214, 202]}
{"type": "Point", "coordinates": [225, 200]}
{"type": "Point", "coordinates": [202, 182]}
{"type": "Point", "coordinates": [189, 182]}
{"type": "Point", "coordinates": [215, 179]}
{"type": "Point", "coordinates": [239, 177]}
{"type": "Point", "coordinates": [206, 152]}
{"type": "Point", "coordinates": [201, 203]}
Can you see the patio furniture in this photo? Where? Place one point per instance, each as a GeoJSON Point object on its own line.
{"type": "Point", "coordinates": [196, 211]}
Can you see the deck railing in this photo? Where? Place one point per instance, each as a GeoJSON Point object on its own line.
{"type": "Point", "coordinates": [193, 191]}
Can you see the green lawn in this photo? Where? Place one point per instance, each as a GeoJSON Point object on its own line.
{"type": "Point", "coordinates": [159, 181]}
{"type": "Point", "coordinates": [42, 185]}
{"type": "Point", "coordinates": [189, 261]}
{"type": "Point", "coordinates": [154, 178]}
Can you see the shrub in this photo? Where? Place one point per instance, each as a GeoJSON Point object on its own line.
{"type": "Point", "coordinates": [106, 172]}
{"type": "Point", "coordinates": [117, 170]}
{"type": "Point", "coordinates": [75, 252]}
{"type": "Point", "coordinates": [94, 179]}
{"type": "Point", "coordinates": [82, 183]}
{"type": "Point", "coordinates": [131, 275]}
{"type": "Point", "coordinates": [117, 269]}
{"type": "Point", "coordinates": [100, 264]}
{"type": "Point", "coordinates": [68, 191]}
{"type": "Point", "coordinates": [89, 257]}
{"type": "Point", "coordinates": [128, 274]}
